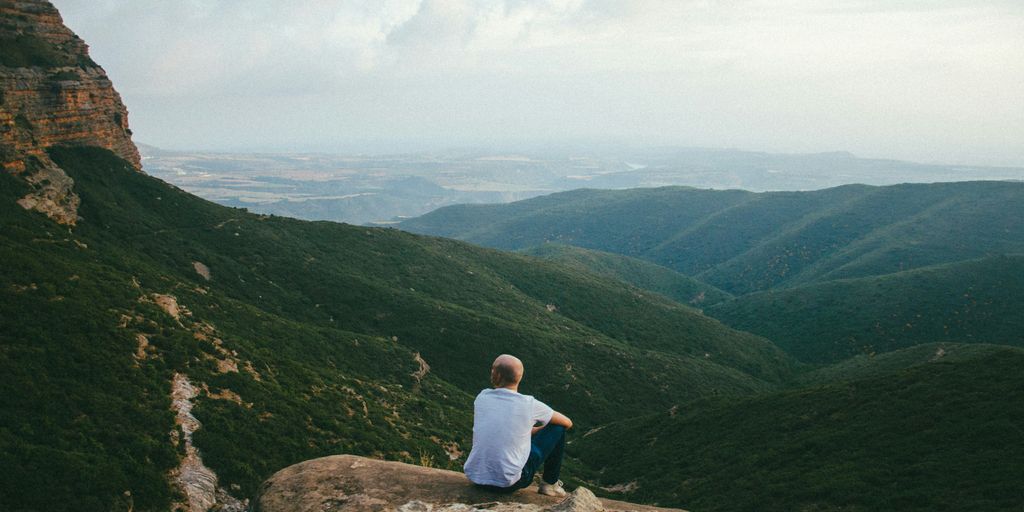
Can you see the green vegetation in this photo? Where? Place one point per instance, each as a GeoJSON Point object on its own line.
{"type": "Point", "coordinates": [853, 276]}
{"type": "Point", "coordinates": [322, 321]}
{"type": "Point", "coordinates": [873, 366]}
{"type": "Point", "coordinates": [743, 242]}
{"type": "Point", "coordinates": [26, 50]}
{"type": "Point", "coordinates": [639, 273]}
{"type": "Point", "coordinates": [972, 301]}
{"type": "Point", "coordinates": [325, 323]}
{"type": "Point", "coordinates": [937, 436]}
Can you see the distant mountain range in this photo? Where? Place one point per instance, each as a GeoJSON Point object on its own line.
{"type": "Point", "coordinates": [360, 189]}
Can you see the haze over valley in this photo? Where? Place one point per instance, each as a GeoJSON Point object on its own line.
{"type": "Point", "coordinates": [383, 189]}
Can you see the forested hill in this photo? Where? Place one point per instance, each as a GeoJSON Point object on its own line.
{"type": "Point", "coordinates": [742, 241]}
{"type": "Point", "coordinates": [975, 301]}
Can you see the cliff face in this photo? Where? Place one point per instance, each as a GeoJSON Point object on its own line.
{"type": "Point", "coordinates": [52, 93]}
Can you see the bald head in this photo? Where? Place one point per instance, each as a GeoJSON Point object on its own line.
{"type": "Point", "coordinates": [506, 371]}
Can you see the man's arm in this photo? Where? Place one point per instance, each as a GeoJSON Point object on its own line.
{"type": "Point", "coordinates": [557, 418]}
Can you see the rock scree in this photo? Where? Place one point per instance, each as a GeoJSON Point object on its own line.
{"type": "Point", "coordinates": [352, 483]}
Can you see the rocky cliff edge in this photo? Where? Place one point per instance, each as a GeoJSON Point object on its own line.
{"type": "Point", "coordinates": [51, 92]}
{"type": "Point", "coordinates": [357, 484]}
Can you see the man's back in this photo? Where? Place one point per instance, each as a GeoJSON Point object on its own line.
{"type": "Point", "coordinates": [502, 423]}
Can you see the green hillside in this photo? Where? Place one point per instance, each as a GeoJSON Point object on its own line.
{"type": "Point", "coordinates": [937, 436]}
{"type": "Point", "coordinates": [742, 242]}
{"type": "Point", "coordinates": [972, 301]}
{"type": "Point", "coordinates": [639, 273]}
{"type": "Point", "coordinates": [879, 365]}
{"type": "Point", "coordinates": [305, 339]}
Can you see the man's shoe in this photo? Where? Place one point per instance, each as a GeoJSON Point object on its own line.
{"type": "Point", "coordinates": [554, 489]}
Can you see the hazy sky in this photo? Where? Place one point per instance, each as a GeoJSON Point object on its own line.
{"type": "Point", "coordinates": [932, 81]}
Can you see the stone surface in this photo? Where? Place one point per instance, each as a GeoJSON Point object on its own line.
{"type": "Point", "coordinates": [64, 99]}
{"type": "Point", "coordinates": [196, 482]}
{"type": "Point", "coordinates": [580, 500]}
{"type": "Point", "coordinates": [351, 483]}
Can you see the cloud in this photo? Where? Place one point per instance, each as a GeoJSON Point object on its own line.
{"type": "Point", "coordinates": [925, 80]}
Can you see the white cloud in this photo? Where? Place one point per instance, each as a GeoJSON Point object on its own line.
{"type": "Point", "coordinates": [925, 80]}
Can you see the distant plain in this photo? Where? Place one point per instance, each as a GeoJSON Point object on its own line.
{"type": "Point", "coordinates": [383, 189]}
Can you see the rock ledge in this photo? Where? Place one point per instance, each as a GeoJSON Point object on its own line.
{"type": "Point", "coordinates": [351, 483]}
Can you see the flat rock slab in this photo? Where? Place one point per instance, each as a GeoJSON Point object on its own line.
{"type": "Point", "coordinates": [351, 483]}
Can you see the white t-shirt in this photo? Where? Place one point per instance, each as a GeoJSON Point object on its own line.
{"type": "Point", "coordinates": [502, 420]}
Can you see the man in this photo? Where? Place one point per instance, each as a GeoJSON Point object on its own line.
{"type": "Point", "coordinates": [514, 435]}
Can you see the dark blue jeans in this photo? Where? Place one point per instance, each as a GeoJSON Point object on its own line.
{"type": "Point", "coordinates": [547, 448]}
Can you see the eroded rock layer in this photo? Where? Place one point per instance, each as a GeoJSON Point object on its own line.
{"type": "Point", "coordinates": [51, 92]}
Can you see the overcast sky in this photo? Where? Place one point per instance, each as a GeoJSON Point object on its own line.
{"type": "Point", "coordinates": [931, 81]}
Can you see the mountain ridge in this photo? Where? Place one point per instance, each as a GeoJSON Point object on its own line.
{"type": "Point", "coordinates": [731, 240]}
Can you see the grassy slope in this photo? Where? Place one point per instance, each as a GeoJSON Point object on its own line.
{"type": "Point", "coordinates": [937, 436]}
{"type": "Point", "coordinates": [328, 315]}
{"type": "Point", "coordinates": [972, 301]}
{"type": "Point", "coordinates": [642, 274]}
{"type": "Point", "coordinates": [743, 242]}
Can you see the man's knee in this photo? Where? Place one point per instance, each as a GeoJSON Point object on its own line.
{"type": "Point", "coordinates": [555, 430]}
{"type": "Point", "coordinates": [552, 427]}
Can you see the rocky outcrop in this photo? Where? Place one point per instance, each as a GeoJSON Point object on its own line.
{"type": "Point", "coordinates": [351, 483]}
{"type": "Point", "coordinates": [196, 482]}
{"type": "Point", "coordinates": [51, 92]}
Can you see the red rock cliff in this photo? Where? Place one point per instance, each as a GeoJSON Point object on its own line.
{"type": "Point", "coordinates": [51, 93]}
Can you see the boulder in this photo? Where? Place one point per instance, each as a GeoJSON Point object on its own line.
{"type": "Point", "coordinates": [351, 483]}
